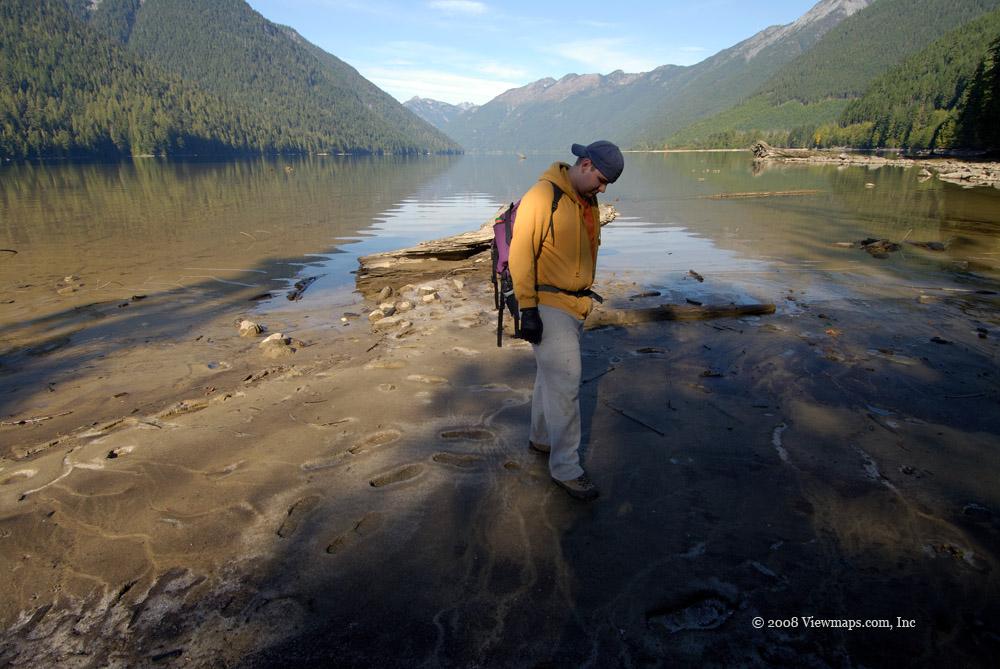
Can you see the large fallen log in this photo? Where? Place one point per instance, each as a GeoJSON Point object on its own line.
{"type": "Point", "coordinates": [458, 254]}
{"type": "Point", "coordinates": [673, 312]}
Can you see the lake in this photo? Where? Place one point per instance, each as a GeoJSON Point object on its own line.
{"type": "Point", "coordinates": [212, 234]}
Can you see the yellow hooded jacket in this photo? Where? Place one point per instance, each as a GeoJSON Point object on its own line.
{"type": "Point", "coordinates": [560, 257]}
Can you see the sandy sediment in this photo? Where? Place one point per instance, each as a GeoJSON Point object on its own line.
{"type": "Point", "coordinates": [368, 499]}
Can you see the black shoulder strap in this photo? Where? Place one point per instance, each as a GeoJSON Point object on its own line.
{"type": "Point", "coordinates": [557, 194]}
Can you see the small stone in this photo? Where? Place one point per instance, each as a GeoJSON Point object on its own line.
{"type": "Point", "coordinates": [376, 315]}
{"type": "Point", "coordinates": [387, 308]}
{"type": "Point", "coordinates": [458, 283]}
{"type": "Point", "coordinates": [403, 306]}
{"type": "Point", "coordinates": [278, 350]}
{"type": "Point", "coordinates": [427, 290]}
{"type": "Point", "coordinates": [384, 294]}
{"type": "Point", "coordinates": [276, 337]}
{"type": "Point", "coordinates": [429, 297]}
{"type": "Point", "coordinates": [248, 328]}
{"type": "Point", "coordinates": [386, 323]}
{"type": "Point", "coordinates": [869, 185]}
{"type": "Point", "coordinates": [350, 314]}
{"type": "Point", "coordinates": [927, 299]}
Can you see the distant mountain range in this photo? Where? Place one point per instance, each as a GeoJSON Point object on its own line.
{"type": "Point", "coordinates": [780, 84]}
{"type": "Point", "coordinates": [121, 77]}
{"type": "Point", "coordinates": [439, 114]}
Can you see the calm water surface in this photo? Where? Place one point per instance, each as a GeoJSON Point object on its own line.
{"type": "Point", "coordinates": [218, 233]}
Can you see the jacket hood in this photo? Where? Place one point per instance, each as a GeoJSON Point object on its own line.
{"type": "Point", "coordinates": [558, 173]}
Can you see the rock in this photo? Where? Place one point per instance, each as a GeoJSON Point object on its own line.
{"type": "Point", "coordinates": [386, 323]}
{"type": "Point", "coordinates": [924, 172]}
{"type": "Point", "coordinates": [429, 297]}
{"type": "Point", "coordinates": [376, 315]}
{"type": "Point", "coordinates": [387, 308]}
{"type": "Point", "coordinates": [278, 350]}
{"type": "Point", "coordinates": [843, 156]}
{"type": "Point", "coordinates": [427, 290]}
{"type": "Point", "coordinates": [276, 346]}
{"type": "Point", "coordinates": [385, 293]}
{"type": "Point", "coordinates": [248, 328]}
{"type": "Point", "coordinates": [403, 306]}
{"type": "Point", "coordinates": [458, 283]}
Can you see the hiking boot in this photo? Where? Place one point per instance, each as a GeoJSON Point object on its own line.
{"type": "Point", "coordinates": [579, 488]}
{"type": "Point", "coordinates": [539, 448]}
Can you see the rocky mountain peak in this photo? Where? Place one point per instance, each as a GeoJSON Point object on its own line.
{"type": "Point", "coordinates": [823, 16]}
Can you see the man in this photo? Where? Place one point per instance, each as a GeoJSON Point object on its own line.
{"type": "Point", "coordinates": [553, 256]}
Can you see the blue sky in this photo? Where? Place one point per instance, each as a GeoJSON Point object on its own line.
{"type": "Point", "coordinates": [473, 50]}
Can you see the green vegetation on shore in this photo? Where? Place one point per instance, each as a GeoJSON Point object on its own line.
{"type": "Point", "coordinates": [868, 84]}
{"type": "Point", "coordinates": [171, 77]}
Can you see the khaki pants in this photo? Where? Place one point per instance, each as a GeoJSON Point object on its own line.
{"type": "Point", "coordinates": [555, 402]}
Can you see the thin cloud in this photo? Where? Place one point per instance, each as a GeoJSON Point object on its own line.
{"type": "Point", "coordinates": [604, 55]}
{"type": "Point", "coordinates": [458, 6]}
{"type": "Point", "coordinates": [441, 85]}
{"type": "Point", "coordinates": [502, 71]}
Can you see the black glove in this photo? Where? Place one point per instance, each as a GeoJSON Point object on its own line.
{"type": "Point", "coordinates": [531, 325]}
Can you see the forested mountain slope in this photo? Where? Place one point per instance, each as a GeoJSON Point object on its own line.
{"type": "Point", "coordinates": [183, 76]}
{"type": "Point", "coordinates": [817, 87]}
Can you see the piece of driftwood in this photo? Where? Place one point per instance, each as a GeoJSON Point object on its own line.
{"type": "Point", "coordinates": [674, 312]}
{"type": "Point", "coordinates": [764, 151]}
{"type": "Point", "coordinates": [773, 193]}
{"type": "Point", "coordinates": [465, 252]}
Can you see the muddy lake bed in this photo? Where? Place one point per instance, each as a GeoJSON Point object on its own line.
{"type": "Point", "coordinates": [169, 494]}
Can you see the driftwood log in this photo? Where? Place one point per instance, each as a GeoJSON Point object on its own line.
{"type": "Point", "coordinates": [674, 312]}
{"type": "Point", "coordinates": [468, 252]}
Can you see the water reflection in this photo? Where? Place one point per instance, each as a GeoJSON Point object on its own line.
{"type": "Point", "coordinates": [211, 228]}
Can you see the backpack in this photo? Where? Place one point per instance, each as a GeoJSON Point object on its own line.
{"type": "Point", "coordinates": [503, 284]}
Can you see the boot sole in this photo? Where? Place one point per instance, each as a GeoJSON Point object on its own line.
{"type": "Point", "coordinates": [584, 495]}
{"type": "Point", "coordinates": [538, 449]}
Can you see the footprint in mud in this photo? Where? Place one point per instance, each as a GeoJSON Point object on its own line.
{"type": "Point", "coordinates": [225, 471]}
{"type": "Point", "coordinates": [457, 459]}
{"type": "Point", "coordinates": [183, 407]}
{"type": "Point", "coordinates": [468, 434]}
{"type": "Point", "coordinates": [296, 513]}
{"type": "Point", "coordinates": [369, 524]}
{"type": "Point", "coordinates": [404, 473]}
{"type": "Point", "coordinates": [428, 379]}
{"type": "Point", "coordinates": [385, 364]}
{"type": "Point", "coordinates": [491, 388]}
{"type": "Point", "coordinates": [374, 440]}
{"type": "Point", "coordinates": [21, 475]}
{"type": "Point", "coordinates": [703, 610]}
{"type": "Point", "coordinates": [120, 451]}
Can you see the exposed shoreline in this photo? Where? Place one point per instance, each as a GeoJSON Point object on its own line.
{"type": "Point", "coordinates": [368, 498]}
{"type": "Point", "coordinates": [963, 171]}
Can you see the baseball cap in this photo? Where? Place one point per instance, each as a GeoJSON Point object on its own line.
{"type": "Point", "coordinates": [606, 157]}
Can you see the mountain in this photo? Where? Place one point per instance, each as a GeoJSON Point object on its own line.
{"type": "Point", "coordinates": [933, 99]}
{"type": "Point", "coordinates": [439, 114]}
{"type": "Point", "coordinates": [120, 77]}
{"type": "Point", "coordinates": [641, 109]}
{"type": "Point", "coordinates": [816, 87]}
